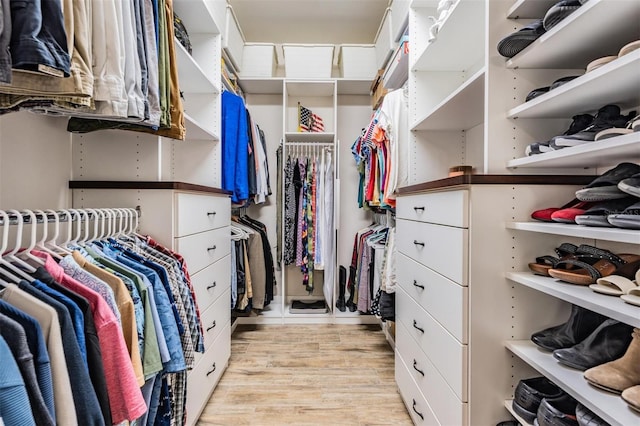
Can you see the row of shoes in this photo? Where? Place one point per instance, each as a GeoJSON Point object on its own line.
{"type": "Point", "coordinates": [607, 123]}
{"type": "Point", "coordinates": [516, 42]}
{"type": "Point", "coordinates": [539, 401]}
{"type": "Point", "coordinates": [603, 271]}
{"type": "Point", "coordinates": [610, 200]}
{"type": "Point", "coordinates": [607, 350]}
{"type": "Point", "coordinates": [591, 66]}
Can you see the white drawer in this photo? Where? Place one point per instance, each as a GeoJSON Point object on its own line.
{"type": "Point", "coordinates": [445, 208]}
{"type": "Point", "coordinates": [201, 250]}
{"type": "Point", "coordinates": [445, 300]}
{"type": "Point", "coordinates": [447, 354]}
{"type": "Point", "coordinates": [211, 282]}
{"type": "Point", "coordinates": [442, 248]}
{"type": "Point", "coordinates": [215, 317]}
{"type": "Point", "coordinates": [202, 380]}
{"type": "Point", "coordinates": [447, 407]}
{"type": "Point", "coordinates": [417, 406]}
{"type": "Point", "coordinates": [197, 213]}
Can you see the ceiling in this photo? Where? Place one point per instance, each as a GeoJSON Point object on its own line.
{"type": "Point", "coordinates": [310, 21]}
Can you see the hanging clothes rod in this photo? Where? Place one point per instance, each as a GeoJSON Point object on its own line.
{"type": "Point", "coordinates": [63, 215]}
{"type": "Point", "coordinates": [318, 144]}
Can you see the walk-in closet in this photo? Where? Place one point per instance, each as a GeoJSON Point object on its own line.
{"type": "Point", "coordinates": [270, 212]}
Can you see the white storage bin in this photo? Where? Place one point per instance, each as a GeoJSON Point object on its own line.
{"type": "Point", "coordinates": [385, 45]}
{"type": "Point", "coordinates": [399, 18]}
{"type": "Point", "coordinates": [308, 60]}
{"type": "Point", "coordinates": [259, 60]}
{"type": "Point", "coordinates": [233, 40]}
{"type": "Point", "coordinates": [357, 61]}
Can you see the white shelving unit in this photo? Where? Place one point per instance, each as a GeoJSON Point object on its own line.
{"type": "Point", "coordinates": [582, 37]}
{"type": "Point", "coordinates": [610, 306]}
{"type": "Point", "coordinates": [608, 406]}
{"type": "Point", "coordinates": [619, 235]}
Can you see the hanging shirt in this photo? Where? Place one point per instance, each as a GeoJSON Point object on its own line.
{"type": "Point", "coordinates": [235, 147]}
{"type": "Point", "coordinates": [14, 402]}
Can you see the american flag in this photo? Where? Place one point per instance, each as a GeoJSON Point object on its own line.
{"type": "Point", "coordinates": [308, 121]}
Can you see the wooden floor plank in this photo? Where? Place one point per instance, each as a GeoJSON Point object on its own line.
{"type": "Point", "coordinates": [307, 375]}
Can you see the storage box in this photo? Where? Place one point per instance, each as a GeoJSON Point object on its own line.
{"type": "Point", "coordinates": [259, 60]}
{"type": "Point", "coordinates": [357, 61]}
{"type": "Point", "coordinates": [385, 45]}
{"type": "Point", "coordinates": [308, 60]}
{"type": "Point", "coordinates": [233, 40]}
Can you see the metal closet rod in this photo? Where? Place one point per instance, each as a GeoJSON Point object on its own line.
{"type": "Point", "coordinates": [319, 144]}
{"type": "Point", "coordinates": [62, 215]}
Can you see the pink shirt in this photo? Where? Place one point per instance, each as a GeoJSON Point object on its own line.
{"type": "Point", "coordinates": [125, 398]}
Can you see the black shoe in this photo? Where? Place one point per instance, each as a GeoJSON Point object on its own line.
{"type": "Point", "coordinates": [558, 12]}
{"type": "Point", "coordinates": [516, 42]}
{"type": "Point", "coordinates": [581, 323]}
{"type": "Point", "coordinates": [608, 342]}
{"type": "Point", "coordinates": [607, 117]}
{"type": "Point", "coordinates": [587, 418]}
{"type": "Point", "coordinates": [529, 394]}
{"type": "Point", "coordinates": [559, 411]}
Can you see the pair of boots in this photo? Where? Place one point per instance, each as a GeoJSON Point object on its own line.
{"type": "Point", "coordinates": [342, 277]}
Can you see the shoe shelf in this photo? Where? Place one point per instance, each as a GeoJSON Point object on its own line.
{"type": "Point", "coordinates": [192, 78]}
{"type": "Point", "coordinates": [508, 405]}
{"type": "Point", "coordinates": [618, 235]}
{"type": "Point", "coordinates": [601, 153]}
{"type": "Point", "coordinates": [461, 32]}
{"type": "Point", "coordinates": [530, 9]}
{"type": "Point", "coordinates": [588, 92]}
{"type": "Point", "coordinates": [583, 36]}
{"type": "Point", "coordinates": [610, 306]}
{"type": "Point", "coordinates": [608, 406]}
{"type": "Point", "coordinates": [461, 110]}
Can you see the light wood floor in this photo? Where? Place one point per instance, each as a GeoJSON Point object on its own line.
{"type": "Point", "coordinates": [307, 375]}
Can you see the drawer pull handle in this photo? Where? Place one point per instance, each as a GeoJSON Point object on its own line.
{"type": "Point", "coordinates": [209, 287]}
{"type": "Point", "coordinates": [415, 284]}
{"type": "Point", "coordinates": [211, 248]}
{"type": "Point", "coordinates": [416, 411]}
{"type": "Point", "coordinates": [211, 213]}
{"type": "Point", "coordinates": [212, 325]}
{"type": "Point", "coordinates": [418, 243]}
{"type": "Point", "coordinates": [418, 208]}
{"type": "Point", "coordinates": [415, 325]}
{"type": "Point", "coordinates": [212, 370]}
{"type": "Point", "coordinates": [415, 363]}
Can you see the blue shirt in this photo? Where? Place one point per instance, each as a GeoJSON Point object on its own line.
{"type": "Point", "coordinates": [77, 317]}
{"type": "Point", "coordinates": [235, 147]}
{"type": "Point", "coordinates": [14, 401]}
{"type": "Point", "coordinates": [38, 348]}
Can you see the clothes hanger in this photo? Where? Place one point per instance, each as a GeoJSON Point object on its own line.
{"type": "Point", "coordinates": [62, 247]}
{"type": "Point", "coordinates": [44, 245]}
{"type": "Point", "coordinates": [5, 241]}
{"type": "Point", "coordinates": [11, 255]}
{"type": "Point", "coordinates": [85, 218]}
{"type": "Point", "coordinates": [33, 238]}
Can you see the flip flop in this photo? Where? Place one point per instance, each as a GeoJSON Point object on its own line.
{"type": "Point", "coordinates": [597, 63]}
{"type": "Point", "coordinates": [632, 297]}
{"type": "Point", "coordinates": [623, 264]}
{"type": "Point", "coordinates": [537, 92]}
{"type": "Point", "coordinates": [543, 263]}
{"type": "Point", "coordinates": [516, 42]}
{"type": "Point", "coordinates": [616, 285]}
{"type": "Point", "coordinates": [631, 185]}
{"type": "Point", "coordinates": [628, 48]}
{"type": "Point", "coordinates": [605, 187]}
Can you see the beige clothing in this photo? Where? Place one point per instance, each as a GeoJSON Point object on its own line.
{"type": "Point", "coordinates": [126, 309]}
{"type": "Point", "coordinates": [48, 320]}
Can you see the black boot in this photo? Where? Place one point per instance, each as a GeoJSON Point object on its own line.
{"type": "Point", "coordinates": [608, 342]}
{"type": "Point", "coordinates": [342, 278]}
{"type": "Point", "coordinates": [581, 323]}
{"type": "Point", "coordinates": [352, 287]}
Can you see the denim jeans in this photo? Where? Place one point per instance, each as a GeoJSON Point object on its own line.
{"type": "Point", "coordinates": [5, 39]}
{"type": "Point", "coordinates": [38, 36]}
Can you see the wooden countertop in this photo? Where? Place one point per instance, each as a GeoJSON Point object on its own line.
{"type": "Point", "coordinates": [115, 184]}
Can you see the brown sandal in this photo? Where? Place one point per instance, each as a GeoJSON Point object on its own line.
{"type": "Point", "coordinates": [542, 264]}
{"type": "Point", "coordinates": [607, 264]}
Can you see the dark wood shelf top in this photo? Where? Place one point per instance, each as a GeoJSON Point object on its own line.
{"type": "Point", "coordinates": [116, 184]}
{"type": "Point", "coordinates": [498, 180]}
